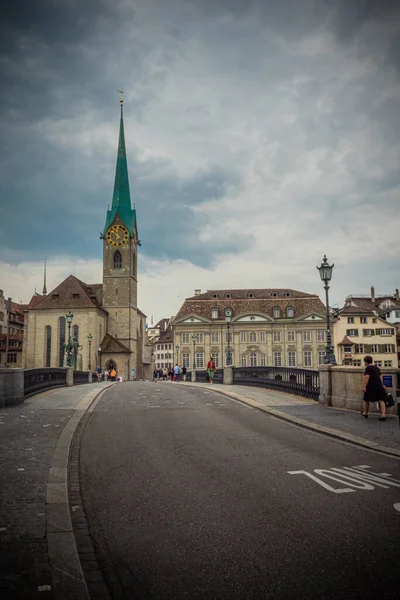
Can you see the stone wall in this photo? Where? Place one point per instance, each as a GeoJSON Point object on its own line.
{"type": "Point", "coordinates": [341, 387]}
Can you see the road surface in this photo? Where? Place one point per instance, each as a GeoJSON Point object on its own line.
{"type": "Point", "coordinates": [191, 495]}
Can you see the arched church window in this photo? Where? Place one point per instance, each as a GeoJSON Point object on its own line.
{"type": "Point", "coordinates": [117, 260]}
{"type": "Point", "coordinates": [48, 345]}
{"type": "Point", "coordinates": [61, 340]}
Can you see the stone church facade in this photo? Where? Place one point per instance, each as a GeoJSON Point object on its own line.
{"type": "Point", "coordinates": [107, 311]}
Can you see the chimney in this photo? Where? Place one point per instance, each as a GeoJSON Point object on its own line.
{"type": "Point", "coordinates": [372, 294]}
{"type": "Point", "coordinates": [396, 294]}
{"type": "Point", "coordinates": [197, 292]}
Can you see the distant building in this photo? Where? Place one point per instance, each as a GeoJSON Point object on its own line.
{"type": "Point", "coordinates": [164, 355]}
{"type": "Point", "coordinates": [278, 327]}
{"type": "Point", "coordinates": [368, 324]}
{"type": "Point", "coordinates": [11, 332]}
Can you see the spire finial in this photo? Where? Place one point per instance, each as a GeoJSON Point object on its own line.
{"type": "Point", "coordinates": [121, 100]}
{"type": "Point", "coordinates": [44, 292]}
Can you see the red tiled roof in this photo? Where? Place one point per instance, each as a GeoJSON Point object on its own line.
{"type": "Point", "coordinates": [202, 306]}
{"type": "Point", "coordinates": [262, 293]}
{"type": "Point", "coordinates": [72, 293]}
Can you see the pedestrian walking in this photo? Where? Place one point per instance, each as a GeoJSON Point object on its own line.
{"type": "Point", "coordinates": [160, 373]}
{"type": "Point", "coordinates": [373, 388]}
{"type": "Point", "coordinates": [165, 374]}
{"type": "Point", "coordinates": [211, 369]}
{"type": "Point", "coordinates": [177, 371]}
{"type": "Point", "coordinates": [113, 374]}
{"type": "Point", "coordinates": [170, 374]}
{"type": "Point", "coordinates": [184, 373]}
{"type": "Point", "coordinates": [99, 373]}
{"type": "Point", "coordinates": [155, 374]}
{"type": "Point", "coordinates": [106, 374]}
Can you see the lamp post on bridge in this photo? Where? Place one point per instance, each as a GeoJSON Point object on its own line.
{"type": "Point", "coordinates": [325, 272]}
{"type": "Point", "coordinates": [228, 319]}
{"type": "Point", "coordinates": [194, 339]}
{"type": "Point", "coordinates": [177, 350]}
{"type": "Point", "coordinates": [69, 316]}
{"type": "Point", "coordinates": [90, 339]}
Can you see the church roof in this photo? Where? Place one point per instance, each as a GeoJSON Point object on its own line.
{"type": "Point", "coordinates": [111, 344]}
{"type": "Point", "coordinates": [71, 294]}
{"type": "Point", "coordinates": [121, 202]}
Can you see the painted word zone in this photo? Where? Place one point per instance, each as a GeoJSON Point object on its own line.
{"type": "Point", "coordinates": [350, 479]}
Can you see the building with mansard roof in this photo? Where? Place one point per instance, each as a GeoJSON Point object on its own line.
{"type": "Point", "coordinates": [107, 311]}
{"type": "Point", "coordinates": [280, 327]}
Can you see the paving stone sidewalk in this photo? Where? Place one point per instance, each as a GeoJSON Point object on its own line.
{"type": "Point", "coordinates": [346, 423]}
{"type": "Point", "coordinates": [28, 435]}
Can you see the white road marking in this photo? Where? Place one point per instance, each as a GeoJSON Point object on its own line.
{"type": "Point", "coordinates": [357, 477]}
{"type": "Point", "coordinates": [397, 506]}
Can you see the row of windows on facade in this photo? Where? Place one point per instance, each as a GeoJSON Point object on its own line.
{"type": "Point", "coordinates": [373, 349]}
{"type": "Point", "coordinates": [378, 363]}
{"type": "Point", "coordinates": [253, 336]}
{"type": "Point", "coordinates": [164, 346]}
{"type": "Point", "coordinates": [11, 330]}
{"type": "Point", "coordinates": [276, 313]}
{"type": "Point", "coordinates": [11, 343]}
{"type": "Point", "coordinates": [252, 359]}
{"type": "Point", "coordinates": [61, 341]}
{"type": "Point", "coordinates": [364, 320]}
{"type": "Point", "coordinates": [370, 332]}
{"type": "Point", "coordinates": [12, 357]}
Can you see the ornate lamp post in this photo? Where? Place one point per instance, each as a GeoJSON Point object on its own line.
{"type": "Point", "coordinates": [177, 350]}
{"type": "Point", "coordinates": [194, 339]}
{"type": "Point", "coordinates": [69, 318]}
{"type": "Point", "coordinates": [99, 355]}
{"type": "Point", "coordinates": [90, 339]}
{"type": "Point", "coordinates": [325, 272]}
{"type": "Point", "coordinates": [228, 319]}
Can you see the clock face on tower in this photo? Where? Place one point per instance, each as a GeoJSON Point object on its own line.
{"type": "Point", "coordinates": [117, 235]}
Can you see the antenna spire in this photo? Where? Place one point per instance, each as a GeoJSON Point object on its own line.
{"type": "Point", "coordinates": [44, 292]}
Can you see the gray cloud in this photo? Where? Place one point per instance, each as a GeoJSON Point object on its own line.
{"type": "Point", "coordinates": [254, 129]}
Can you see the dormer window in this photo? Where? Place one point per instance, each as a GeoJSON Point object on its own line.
{"type": "Point", "coordinates": [276, 312]}
{"type": "Point", "coordinates": [214, 296]}
{"type": "Point", "coordinates": [55, 296]}
{"type": "Point", "coordinates": [228, 295]}
{"type": "Point", "coordinates": [75, 295]}
{"type": "Point", "coordinates": [287, 294]}
{"type": "Point", "coordinates": [250, 295]}
{"type": "Point", "coordinates": [290, 312]}
{"type": "Point", "coordinates": [214, 313]}
{"type": "Point", "coordinates": [274, 294]}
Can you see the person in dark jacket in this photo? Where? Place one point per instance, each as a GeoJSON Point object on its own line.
{"type": "Point", "coordinates": [373, 388]}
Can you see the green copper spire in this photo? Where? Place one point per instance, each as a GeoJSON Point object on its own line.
{"type": "Point", "coordinates": [121, 202]}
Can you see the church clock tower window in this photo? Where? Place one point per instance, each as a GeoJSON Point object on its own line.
{"type": "Point", "coordinates": [117, 261]}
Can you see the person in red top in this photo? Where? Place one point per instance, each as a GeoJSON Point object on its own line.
{"type": "Point", "coordinates": [211, 369]}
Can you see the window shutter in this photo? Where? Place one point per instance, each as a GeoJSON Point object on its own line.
{"type": "Point", "coordinates": [367, 348]}
{"type": "Point", "coordinates": [381, 348]}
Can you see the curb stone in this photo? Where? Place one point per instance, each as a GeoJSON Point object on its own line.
{"type": "Point", "coordinates": [66, 573]}
{"type": "Point", "coordinates": [334, 433]}
{"type": "Point", "coordinates": [97, 588]}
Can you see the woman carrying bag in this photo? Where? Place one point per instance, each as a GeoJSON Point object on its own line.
{"type": "Point", "coordinates": [211, 370]}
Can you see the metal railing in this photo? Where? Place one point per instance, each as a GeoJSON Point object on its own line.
{"type": "Point", "coordinates": [302, 382]}
{"type": "Point", "coordinates": [39, 380]}
{"type": "Point", "coordinates": [81, 377]}
{"type": "Point", "coordinates": [202, 376]}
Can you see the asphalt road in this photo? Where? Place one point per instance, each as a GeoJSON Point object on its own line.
{"type": "Point", "coordinates": [189, 495]}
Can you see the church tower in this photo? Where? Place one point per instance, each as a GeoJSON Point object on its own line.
{"type": "Point", "coordinates": [120, 243]}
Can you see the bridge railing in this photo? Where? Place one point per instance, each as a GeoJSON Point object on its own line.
{"type": "Point", "coordinates": [302, 382]}
{"type": "Point", "coordinates": [81, 377]}
{"type": "Point", "coordinates": [39, 380]}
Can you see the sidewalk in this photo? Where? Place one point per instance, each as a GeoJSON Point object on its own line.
{"type": "Point", "coordinates": [34, 444]}
{"type": "Point", "coordinates": [348, 425]}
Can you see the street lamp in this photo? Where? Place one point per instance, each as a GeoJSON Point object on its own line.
{"type": "Point", "coordinates": [194, 339]}
{"type": "Point", "coordinates": [228, 319]}
{"type": "Point", "coordinates": [69, 318]}
{"type": "Point", "coordinates": [325, 272]}
{"type": "Point", "coordinates": [90, 338]}
{"type": "Point", "coordinates": [99, 355]}
{"type": "Point", "coordinates": [177, 349]}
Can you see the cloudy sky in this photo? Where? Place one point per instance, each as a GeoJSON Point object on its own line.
{"type": "Point", "coordinates": [260, 135]}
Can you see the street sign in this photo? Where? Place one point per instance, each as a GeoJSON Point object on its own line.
{"type": "Point", "coordinates": [387, 380]}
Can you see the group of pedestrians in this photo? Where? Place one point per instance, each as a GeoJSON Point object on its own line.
{"type": "Point", "coordinates": [170, 374]}
{"type": "Point", "coordinates": [107, 375]}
